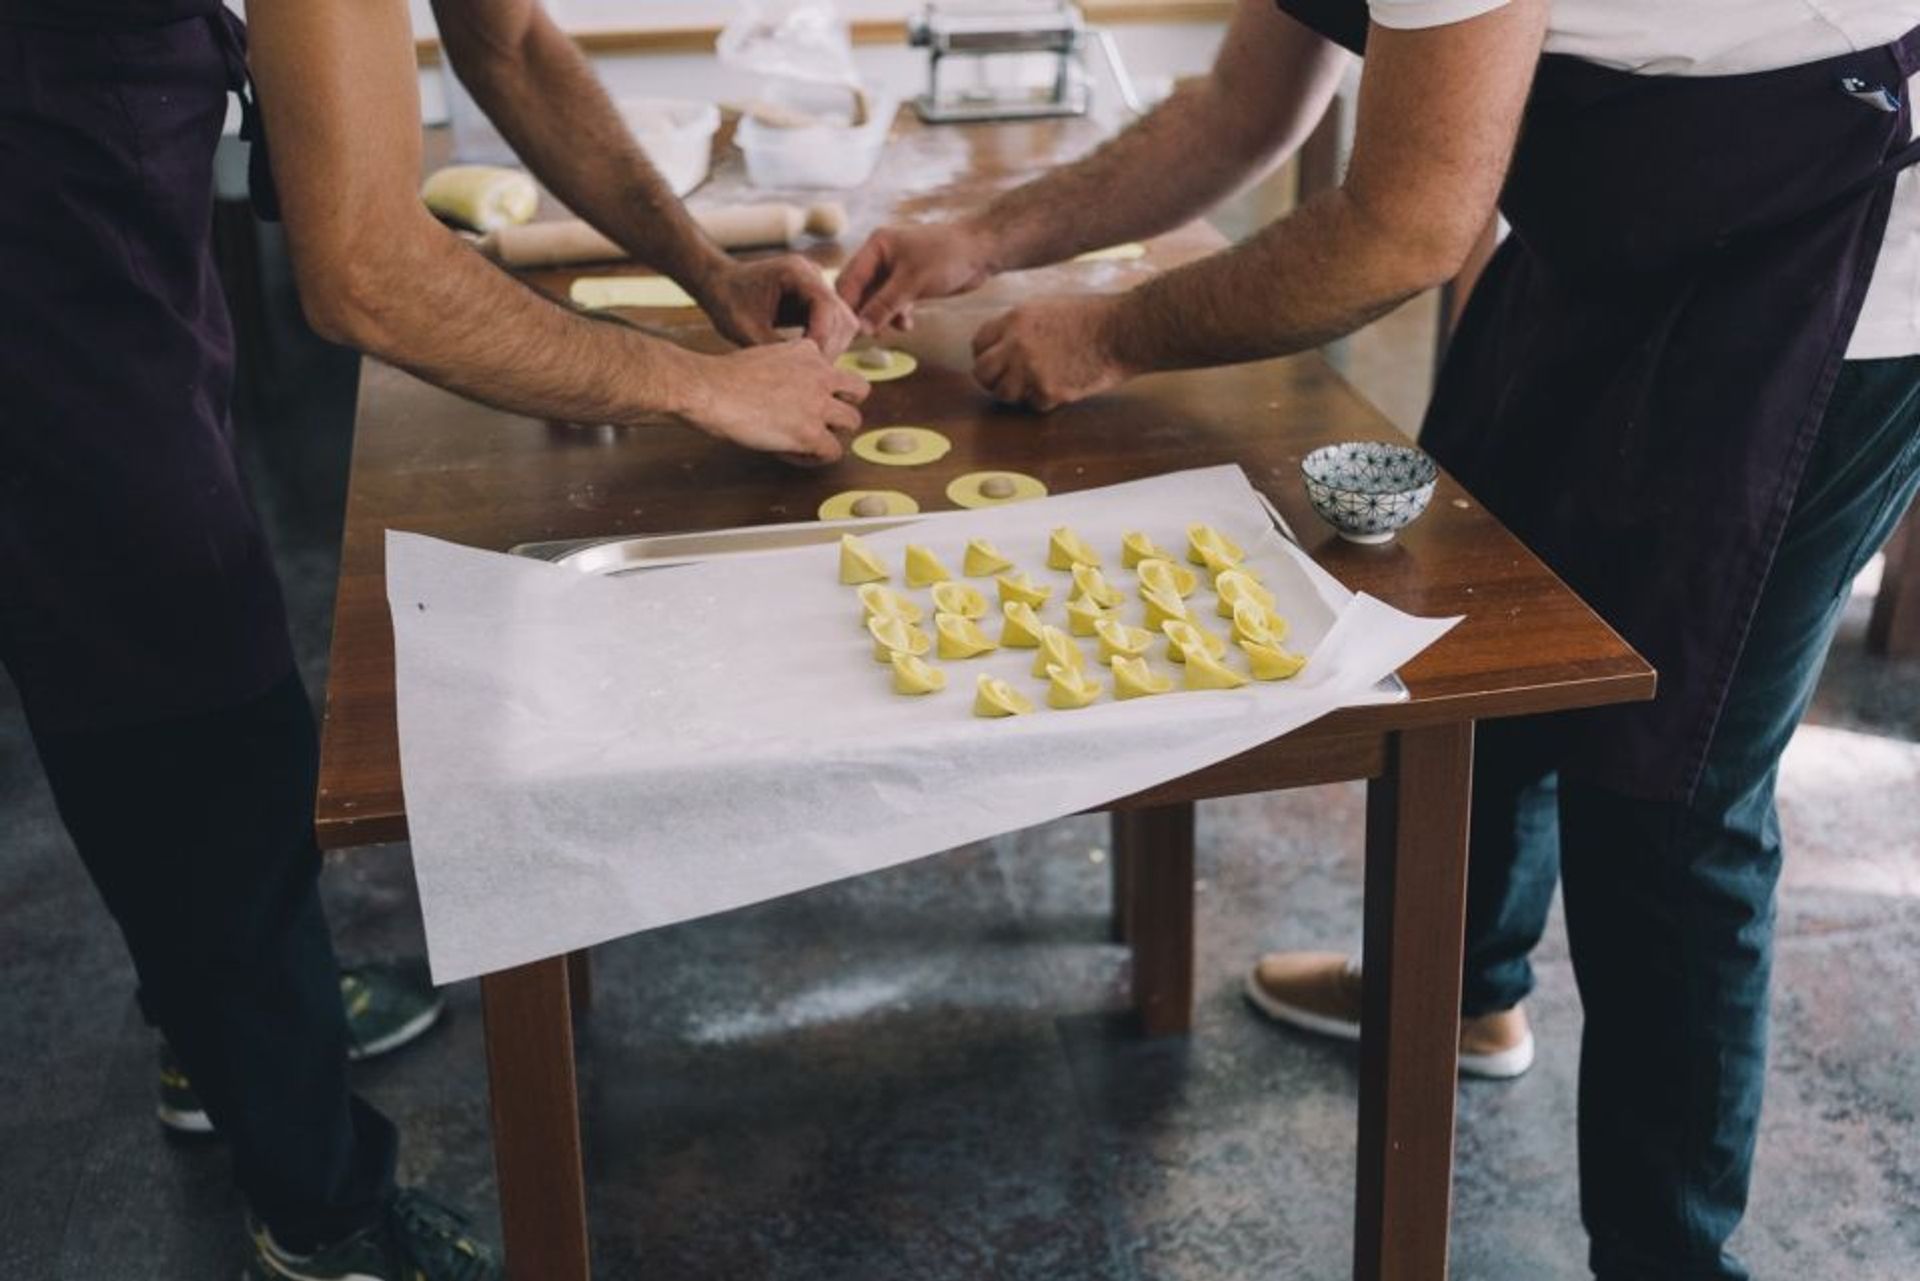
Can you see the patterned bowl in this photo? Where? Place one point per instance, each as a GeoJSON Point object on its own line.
{"type": "Point", "coordinates": [1367, 490]}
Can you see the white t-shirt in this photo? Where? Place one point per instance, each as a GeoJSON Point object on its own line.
{"type": "Point", "coordinates": [1728, 37]}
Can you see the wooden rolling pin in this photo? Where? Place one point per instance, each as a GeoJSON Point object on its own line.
{"type": "Point", "coordinates": [554, 244]}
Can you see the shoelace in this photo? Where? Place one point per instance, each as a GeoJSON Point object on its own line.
{"type": "Point", "coordinates": [431, 1238]}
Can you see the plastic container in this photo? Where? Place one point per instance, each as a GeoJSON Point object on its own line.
{"type": "Point", "coordinates": [677, 135]}
{"type": "Point", "coordinates": [835, 156]}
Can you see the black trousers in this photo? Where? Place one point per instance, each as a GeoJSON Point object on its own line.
{"type": "Point", "coordinates": [198, 833]}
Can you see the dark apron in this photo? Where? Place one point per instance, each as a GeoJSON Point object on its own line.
{"type": "Point", "coordinates": [1642, 370]}
{"type": "Point", "coordinates": [135, 582]}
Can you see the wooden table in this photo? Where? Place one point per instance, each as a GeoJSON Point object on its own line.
{"type": "Point", "coordinates": [430, 462]}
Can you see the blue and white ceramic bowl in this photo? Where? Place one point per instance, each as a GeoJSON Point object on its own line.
{"type": "Point", "coordinates": [1367, 490]}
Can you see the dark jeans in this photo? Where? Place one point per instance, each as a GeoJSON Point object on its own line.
{"type": "Point", "coordinates": [198, 833]}
{"type": "Point", "coordinates": [1670, 905]}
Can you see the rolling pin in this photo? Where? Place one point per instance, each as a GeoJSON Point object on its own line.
{"type": "Point", "coordinates": [553, 244]}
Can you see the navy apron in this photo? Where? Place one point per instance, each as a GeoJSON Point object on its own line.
{"type": "Point", "coordinates": [1641, 372]}
{"type": "Point", "coordinates": [135, 582]}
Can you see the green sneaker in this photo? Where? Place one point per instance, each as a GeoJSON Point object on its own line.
{"type": "Point", "coordinates": [417, 1239]}
{"type": "Point", "coordinates": [387, 1006]}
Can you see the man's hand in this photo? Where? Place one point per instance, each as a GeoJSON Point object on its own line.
{"type": "Point", "coordinates": [786, 399]}
{"type": "Point", "coordinates": [1049, 353]}
{"type": "Point", "coordinates": [746, 301]}
{"type": "Point", "coordinates": [899, 266]}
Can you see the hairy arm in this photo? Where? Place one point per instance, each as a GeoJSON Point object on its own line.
{"type": "Point", "coordinates": [338, 87]}
{"type": "Point", "coordinates": [1268, 87]}
{"type": "Point", "coordinates": [1439, 111]}
{"type": "Point", "coordinates": [518, 65]}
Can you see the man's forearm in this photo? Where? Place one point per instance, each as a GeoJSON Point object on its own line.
{"type": "Point", "coordinates": [585, 154]}
{"type": "Point", "coordinates": [1308, 279]}
{"type": "Point", "coordinates": [438, 309]}
{"type": "Point", "coordinates": [1266, 92]}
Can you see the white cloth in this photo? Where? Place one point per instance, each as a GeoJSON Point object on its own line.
{"type": "Point", "coordinates": [1729, 37]}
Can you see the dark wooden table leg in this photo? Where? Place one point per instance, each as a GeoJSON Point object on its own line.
{"type": "Point", "coordinates": [536, 1122]}
{"type": "Point", "coordinates": [1410, 1026]}
{"type": "Point", "coordinates": [580, 981]}
{"type": "Point", "coordinates": [1122, 888]}
{"type": "Point", "coordinates": [1156, 846]}
{"type": "Point", "coordinates": [1894, 631]}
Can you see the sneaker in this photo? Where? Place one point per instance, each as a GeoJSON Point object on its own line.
{"type": "Point", "coordinates": [387, 1006]}
{"type": "Point", "coordinates": [1319, 992]}
{"type": "Point", "coordinates": [180, 1109]}
{"type": "Point", "coordinates": [416, 1239]}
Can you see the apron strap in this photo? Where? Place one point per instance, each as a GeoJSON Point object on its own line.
{"type": "Point", "coordinates": [231, 34]}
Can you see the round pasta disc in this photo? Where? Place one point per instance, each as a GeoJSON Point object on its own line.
{"type": "Point", "coordinates": [1114, 253]}
{"type": "Point", "coordinates": [925, 446]}
{"type": "Point", "coordinates": [899, 365]}
{"type": "Point", "coordinates": [840, 506]}
{"type": "Point", "coordinates": [966, 490]}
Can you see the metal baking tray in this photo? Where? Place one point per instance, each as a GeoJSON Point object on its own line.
{"type": "Point", "coordinates": [613, 557]}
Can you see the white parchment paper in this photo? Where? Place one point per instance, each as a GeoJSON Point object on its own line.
{"type": "Point", "coordinates": [586, 757]}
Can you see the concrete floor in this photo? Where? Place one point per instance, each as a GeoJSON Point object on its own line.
{"type": "Point", "coordinates": [925, 1073]}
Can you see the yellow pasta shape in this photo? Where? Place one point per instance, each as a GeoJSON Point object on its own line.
{"type": "Point", "coordinates": [1070, 687]}
{"type": "Point", "coordinates": [1184, 640]}
{"type": "Point", "coordinates": [1021, 630]}
{"type": "Point", "coordinates": [1065, 549]}
{"type": "Point", "coordinates": [961, 637]}
{"type": "Point", "coordinates": [1254, 622]}
{"type": "Point", "coordinates": [1133, 678]}
{"type": "Point", "coordinates": [1090, 584]}
{"type": "Point", "coordinates": [1271, 663]}
{"type": "Point", "coordinates": [1082, 614]}
{"type": "Point", "coordinates": [1167, 577]}
{"type": "Point", "coordinates": [1162, 609]}
{"type": "Point", "coordinates": [923, 567]}
{"type": "Point", "coordinates": [997, 698]}
{"type": "Point", "coordinates": [1208, 546]}
{"type": "Point", "coordinates": [1023, 589]}
{"type": "Point", "coordinates": [958, 598]}
{"type": "Point", "coordinates": [916, 676]}
{"type": "Point", "coordinates": [896, 636]}
{"type": "Point", "coordinates": [1119, 640]}
{"type": "Point", "coordinates": [1204, 672]}
{"type": "Point", "coordinates": [1056, 650]}
{"type": "Point", "coordinates": [859, 563]}
{"type": "Point", "coordinates": [983, 558]}
{"type": "Point", "coordinates": [1135, 547]}
{"type": "Point", "coordinates": [1236, 585]}
{"type": "Point", "coordinates": [883, 602]}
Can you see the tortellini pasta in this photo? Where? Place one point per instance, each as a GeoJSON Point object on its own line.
{"type": "Point", "coordinates": [1090, 584]}
{"type": "Point", "coordinates": [896, 636]}
{"type": "Point", "coordinates": [1184, 640]}
{"type": "Point", "coordinates": [1021, 630]}
{"type": "Point", "coordinates": [1135, 547]}
{"type": "Point", "coordinates": [958, 598]}
{"type": "Point", "coordinates": [877, 601]}
{"type": "Point", "coordinates": [1065, 549]}
{"type": "Point", "coordinates": [983, 558]}
{"type": "Point", "coordinates": [1271, 663]}
{"type": "Point", "coordinates": [1118, 639]}
{"type": "Point", "coordinates": [994, 697]}
{"type": "Point", "coordinates": [961, 637]}
{"type": "Point", "coordinates": [1023, 589]}
{"type": "Point", "coordinates": [859, 563]}
{"type": "Point", "coordinates": [1207, 672]}
{"type": "Point", "coordinates": [1056, 650]}
{"type": "Point", "coordinates": [916, 676]}
{"type": "Point", "coordinates": [1167, 577]}
{"type": "Point", "coordinates": [923, 567]}
{"type": "Point", "coordinates": [1134, 678]}
{"type": "Point", "coordinates": [1070, 687]}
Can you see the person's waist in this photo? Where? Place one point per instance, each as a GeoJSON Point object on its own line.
{"type": "Point", "coordinates": [104, 15]}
